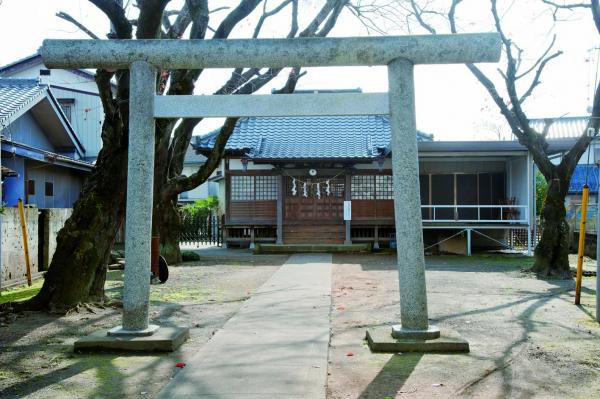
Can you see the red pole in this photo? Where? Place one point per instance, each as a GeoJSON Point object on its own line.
{"type": "Point", "coordinates": [155, 253]}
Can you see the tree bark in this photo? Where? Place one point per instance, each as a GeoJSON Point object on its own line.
{"type": "Point", "coordinates": [552, 252]}
{"type": "Point", "coordinates": [170, 228]}
{"type": "Point", "coordinates": [78, 269]}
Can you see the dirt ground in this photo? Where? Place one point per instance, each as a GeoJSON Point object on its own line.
{"type": "Point", "coordinates": [36, 349]}
{"type": "Point", "coordinates": [527, 339]}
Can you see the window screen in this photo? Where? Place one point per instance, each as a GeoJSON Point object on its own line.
{"type": "Point", "coordinates": [372, 187]}
{"type": "Point", "coordinates": [242, 188]}
{"type": "Point", "coordinates": [266, 187]}
{"type": "Point", "coordinates": [384, 187]}
{"type": "Point", "coordinates": [363, 187]}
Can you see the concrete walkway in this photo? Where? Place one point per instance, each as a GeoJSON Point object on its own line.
{"type": "Point", "coordinates": [274, 347]}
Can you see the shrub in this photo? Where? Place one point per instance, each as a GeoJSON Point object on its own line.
{"type": "Point", "coordinates": [199, 209]}
{"type": "Point", "coordinates": [188, 256]}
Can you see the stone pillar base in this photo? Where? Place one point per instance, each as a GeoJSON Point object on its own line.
{"type": "Point", "coordinates": [163, 339]}
{"type": "Point", "coordinates": [119, 331]}
{"type": "Point", "coordinates": [380, 339]}
{"type": "Point", "coordinates": [400, 333]}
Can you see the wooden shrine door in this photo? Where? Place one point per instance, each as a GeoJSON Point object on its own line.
{"type": "Point", "coordinates": [314, 204]}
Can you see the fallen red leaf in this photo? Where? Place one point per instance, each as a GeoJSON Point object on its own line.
{"type": "Point", "coordinates": [180, 364]}
{"type": "Point", "coordinates": [349, 354]}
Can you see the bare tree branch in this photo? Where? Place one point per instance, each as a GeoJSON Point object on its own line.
{"type": "Point", "coordinates": [418, 13]}
{"type": "Point", "coordinates": [596, 14]}
{"type": "Point", "coordinates": [182, 183]}
{"type": "Point", "coordinates": [536, 79]}
{"type": "Point", "coordinates": [69, 18]}
{"type": "Point", "coordinates": [242, 83]}
{"type": "Point", "coordinates": [116, 15]}
{"type": "Point", "coordinates": [593, 4]}
{"type": "Point", "coordinates": [266, 14]}
{"type": "Point", "coordinates": [150, 18]}
{"type": "Point", "coordinates": [234, 17]}
{"type": "Point", "coordinates": [569, 6]}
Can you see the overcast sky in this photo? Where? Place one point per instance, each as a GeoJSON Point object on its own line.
{"type": "Point", "coordinates": [451, 104]}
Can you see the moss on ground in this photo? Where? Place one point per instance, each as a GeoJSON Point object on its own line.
{"type": "Point", "coordinates": [21, 293]}
{"type": "Point", "coordinates": [170, 294]}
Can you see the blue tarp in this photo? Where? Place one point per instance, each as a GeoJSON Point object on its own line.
{"type": "Point", "coordinates": [579, 178]}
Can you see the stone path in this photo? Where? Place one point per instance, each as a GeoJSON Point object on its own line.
{"type": "Point", "coordinates": [274, 347]}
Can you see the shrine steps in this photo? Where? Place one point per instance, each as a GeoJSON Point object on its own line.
{"type": "Point", "coordinates": [314, 234]}
{"type": "Point", "coordinates": [312, 248]}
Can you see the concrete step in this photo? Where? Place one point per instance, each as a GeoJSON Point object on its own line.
{"type": "Point", "coordinates": [300, 248]}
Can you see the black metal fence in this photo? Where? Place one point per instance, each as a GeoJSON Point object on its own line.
{"type": "Point", "coordinates": [201, 230]}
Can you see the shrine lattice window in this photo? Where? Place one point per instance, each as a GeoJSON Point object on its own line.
{"type": "Point", "coordinates": [370, 187]}
{"type": "Point", "coordinates": [266, 187]}
{"type": "Point", "coordinates": [242, 188]}
{"type": "Point", "coordinates": [250, 188]}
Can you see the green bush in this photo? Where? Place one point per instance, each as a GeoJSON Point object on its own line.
{"type": "Point", "coordinates": [199, 209]}
{"type": "Point", "coordinates": [541, 189]}
{"type": "Point", "coordinates": [189, 256]}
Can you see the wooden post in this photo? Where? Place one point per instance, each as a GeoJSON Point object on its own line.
{"type": "Point", "coordinates": [251, 237]}
{"type": "Point", "coordinates": [348, 197]}
{"type": "Point", "coordinates": [280, 209]}
{"type": "Point", "coordinates": [584, 201]}
{"type": "Point", "coordinates": [25, 242]}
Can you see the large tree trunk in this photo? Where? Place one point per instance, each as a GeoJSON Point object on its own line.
{"type": "Point", "coordinates": [170, 228]}
{"type": "Point", "coordinates": [78, 269]}
{"type": "Point", "coordinates": [552, 252]}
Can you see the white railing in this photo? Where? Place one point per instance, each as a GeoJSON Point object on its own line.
{"type": "Point", "coordinates": [505, 213]}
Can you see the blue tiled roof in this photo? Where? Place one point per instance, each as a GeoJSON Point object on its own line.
{"type": "Point", "coordinates": [322, 137]}
{"type": "Point", "coordinates": [579, 178]}
{"type": "Point", "coordinates": [16, 94]}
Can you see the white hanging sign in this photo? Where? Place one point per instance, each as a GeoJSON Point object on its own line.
{"type": "Point", "coordinates": [347, 210]}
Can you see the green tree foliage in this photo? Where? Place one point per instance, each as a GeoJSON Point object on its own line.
{"type": "Point", "coordinates": [200, 209]}
{"type": "Point", "coordinates": [541, 189]}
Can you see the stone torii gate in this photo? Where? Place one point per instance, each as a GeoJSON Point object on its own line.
{"type": "Point", "coordinates": [144, 57]}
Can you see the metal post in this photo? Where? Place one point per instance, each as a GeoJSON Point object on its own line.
{"type": "Point", "coordinates": [407, 203]}
{"type": "Point", "coordinates": [468, 242]}
{"type": "Point", "coordinates": [138, 222]}
{"type": "Point", "coordinates": [529, 240]}
{"type": "Point", "coordinates": [581, 247]}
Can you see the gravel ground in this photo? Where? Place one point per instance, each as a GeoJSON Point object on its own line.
{"type": "Point", "coordinates": [527, 338]}
{"type": "Point", "coordinates": [36, 349]}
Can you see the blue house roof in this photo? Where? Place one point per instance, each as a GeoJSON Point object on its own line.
{"type": "Point", "coordinates": [20, 96]}
{"type": "Point", "coordinates": [36, 59]}
{"type": "Point", "coordinates": [579, 178]}
{"type": "Point", "coordinates": [322, 137]}
{"type": "Point", "coordinates": [17, 94]}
